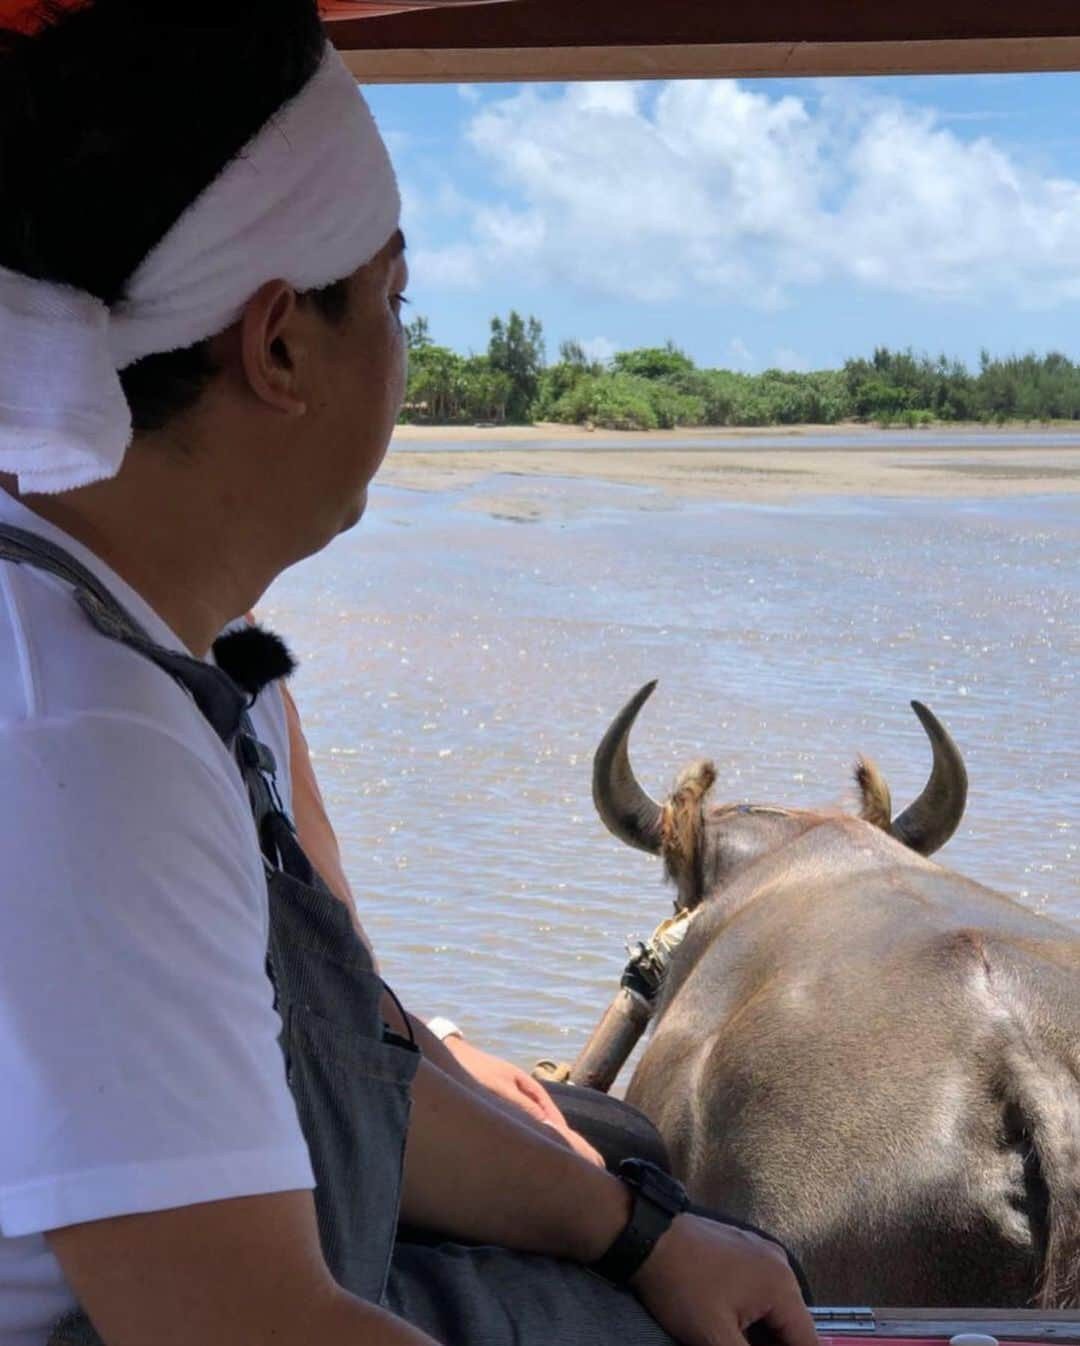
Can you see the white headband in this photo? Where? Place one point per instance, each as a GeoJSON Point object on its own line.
{"type": "Point", "coordinates": [309, 201]}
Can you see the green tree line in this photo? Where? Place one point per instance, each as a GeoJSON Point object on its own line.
{"type": "Point", "coordinates": [659, 388]}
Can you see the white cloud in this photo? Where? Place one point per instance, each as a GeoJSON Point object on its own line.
{"type": "Point", "coordinates": [600, 349]}
{"type": "Point", "coordinates": [929, 213]}
{"type": "Point", "coordinates": [708, 190]}
{"type": "Point", "coordinates": [457, 266]}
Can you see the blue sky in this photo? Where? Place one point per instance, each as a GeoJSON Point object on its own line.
{"type": "Point", "coordinates": [754, 222]}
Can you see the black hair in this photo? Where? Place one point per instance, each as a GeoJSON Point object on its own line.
{"type": "Point", "coordinates": [114, 116]}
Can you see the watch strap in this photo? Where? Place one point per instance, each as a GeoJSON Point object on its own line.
{"type": "Point", "coordinates": [657, 1200]}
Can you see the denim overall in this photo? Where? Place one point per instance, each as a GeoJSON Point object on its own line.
{"type": "Point", "coordinates": [349, 1076]}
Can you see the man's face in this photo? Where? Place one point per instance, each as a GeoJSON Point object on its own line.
{"type": "Point", "coordinates": [361, 385]}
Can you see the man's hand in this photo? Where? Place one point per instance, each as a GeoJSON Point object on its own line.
{"type": "Point", "coordinates": [513, 1085]}
{"type": "Point", "coordinates": [497, 1082]}
{"type": "Point", "coordinates": [706, 1283]}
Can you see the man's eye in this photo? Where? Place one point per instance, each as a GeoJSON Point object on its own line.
{"type": "Point", "coordinates": [398, 300]}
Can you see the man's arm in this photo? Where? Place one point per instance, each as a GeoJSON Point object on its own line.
{"type": "Point", "coordinates": [475, 1172]}
{"type": "Point", "coordinates": [478, 1172]}
{"type": "Point", "coordinates": [313, 826]}
{"type": "Point", "coordinates": [229, 1273]}
{"type": "Point", "coordinates": [250, 1272]}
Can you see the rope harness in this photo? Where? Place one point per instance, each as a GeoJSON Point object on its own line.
{"type": "Point", "coordinates": [629, 1013]}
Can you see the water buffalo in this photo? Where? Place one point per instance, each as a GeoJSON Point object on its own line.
{"type": "Point", "coordinates": [864, 1052]}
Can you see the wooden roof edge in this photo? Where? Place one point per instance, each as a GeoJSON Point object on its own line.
{"type": "Point", "coordinates": [710, 61]}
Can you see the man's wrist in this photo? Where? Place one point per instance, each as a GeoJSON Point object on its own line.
{"type": "Point", "coordinates": [605, 1209]}
{"type": "Point", "coordinates": [657, 1199]}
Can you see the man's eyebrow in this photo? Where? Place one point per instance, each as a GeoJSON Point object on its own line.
{"type": "Point", "coordinates": [397, 245]}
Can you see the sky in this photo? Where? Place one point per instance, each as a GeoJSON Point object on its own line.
{"type": "Point", "coordinates": [755, 223]}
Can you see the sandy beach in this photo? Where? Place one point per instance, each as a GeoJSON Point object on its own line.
{"type": "Point", "coordinates": [748, 464]}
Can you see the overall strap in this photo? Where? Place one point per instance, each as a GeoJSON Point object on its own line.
{"type": "Point", "coordinates": [278, 842]}
{"type": "Point", "coordinates": [219, 699]}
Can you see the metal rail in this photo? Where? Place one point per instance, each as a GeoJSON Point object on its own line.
{"type": "Point", "coordinates": [1018, 1325]}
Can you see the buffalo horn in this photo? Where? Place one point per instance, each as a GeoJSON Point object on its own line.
{"type": "Point", "coordinates": [624, 807]}
{"type": "Point", "coordinates": [927, 824]}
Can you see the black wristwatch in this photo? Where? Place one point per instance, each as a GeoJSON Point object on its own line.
{"type": "Point", "coordinates": [658, 1198]}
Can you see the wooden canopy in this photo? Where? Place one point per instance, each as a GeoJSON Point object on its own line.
{"type": "Point", "coordinates": [643, 39]}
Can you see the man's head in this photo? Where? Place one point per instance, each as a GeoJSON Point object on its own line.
{"type": "Point", "coordinates": [117, 115]}
{"type": "Point", "coordinates": [307, 393]}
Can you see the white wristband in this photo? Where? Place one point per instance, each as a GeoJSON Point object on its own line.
{"type": "Point", "coordinates": [444, 1028]}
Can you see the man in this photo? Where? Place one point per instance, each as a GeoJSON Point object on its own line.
{"type": "Point", "coordinates": [201, 274]}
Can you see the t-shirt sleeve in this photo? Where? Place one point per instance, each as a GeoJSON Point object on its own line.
{"type": "Point", "coordinates": [138, 1037]}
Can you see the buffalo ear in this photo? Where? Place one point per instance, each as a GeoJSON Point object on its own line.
{"type": "Point", "coordinates": [874, 792]}
{"type": "Point", "coordinates": [683, 821]}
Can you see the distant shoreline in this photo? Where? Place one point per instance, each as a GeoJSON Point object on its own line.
{"type": "Point", "coordinates": [899, 463]}
{"type": "Point", "coordinates": [556, 430]}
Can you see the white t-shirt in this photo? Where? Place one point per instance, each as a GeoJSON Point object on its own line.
{"type": "Point", "coordinates": [139, 1064]}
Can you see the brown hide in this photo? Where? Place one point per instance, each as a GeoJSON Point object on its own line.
{"type": "Point", "coordinates": [879, 1061]}
{"type": "Point", "coordinates": [865, 1053]}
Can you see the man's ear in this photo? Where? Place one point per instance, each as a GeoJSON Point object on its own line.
{"type": "Point", "coordinates": [272, 348]}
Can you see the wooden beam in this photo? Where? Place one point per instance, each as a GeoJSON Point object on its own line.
{"type": "Point", "coordinates": [643, 39]}
{"type": "Point", "coordinates": [738, 60]}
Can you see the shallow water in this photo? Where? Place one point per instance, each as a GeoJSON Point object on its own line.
{"type": "Point", "coordinates": [459, 669]}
